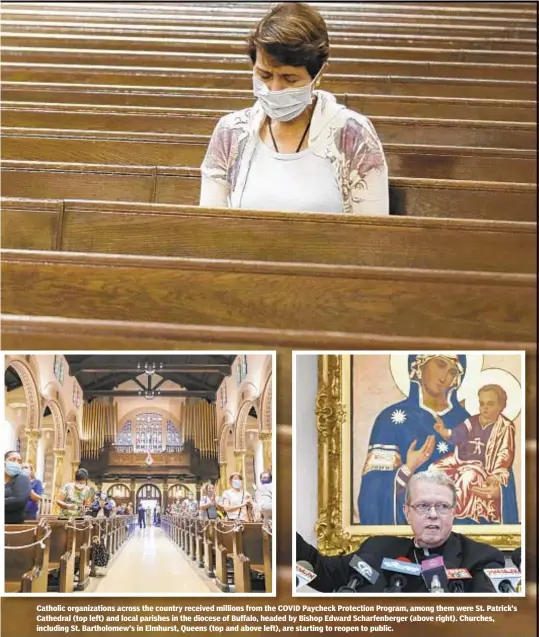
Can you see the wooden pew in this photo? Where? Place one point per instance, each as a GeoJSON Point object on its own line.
{"type": "Point", "coordinates": [231, 100]}
{"type": "Point", "coordinates": [224, 549]}
{"type": "Point", "coordinates": [368, 38]}
{"type": "Point", "coordinates": [267, 554]}
{"type": "Point", "coordinates": [405, 84]}
{"type": "Point", "coordinates": [181, 186]}
{"type": "Point", "coordinates": [248, 556]}
{"type": "Point", "coordinates": [62, 554]}
{"type": "Point", "coordinates": [83, 542]}
{"type": "Point", "coordinates": [209, 548]}
{"type": "Point", "coordinates": [120, 58]}
{"type": "Point", "coordinates": [102, 41]}
{"type": "Point", "coordinates": [26, 569]}
{"type": "Point", "coordinates": [172, 150]}
{"type": "Point", "coordinates": [181, 231]}
{"type": "Point", "coordinates": [315, 297]}
{"type": "Point", "coordinates": [394, 130]}
{"type": "Point", "coordinates": [244, 21]}
{"type": "Point", "coordinates": [199, 541]}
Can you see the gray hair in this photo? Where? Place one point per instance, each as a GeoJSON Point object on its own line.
{"type": "Point", "coordinates": [434, 477]}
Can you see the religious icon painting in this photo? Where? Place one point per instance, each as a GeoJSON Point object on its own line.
{"type": "Point", "coordinates": [384, 416]}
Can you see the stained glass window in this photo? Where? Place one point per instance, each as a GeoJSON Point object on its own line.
{"type": "Point", "coordinates": [149, 432]}
{"type": "Point", "coordinates": [223, 395]}
{"type": "Point", "coordinates": [124, 437]}
{"type": "Point", "coordinates": [58, 369]}
{"type": "Point", "coordinates": [76, 395]}
{"type": "Point", "coordinates": [173, 435]}
{"type": "Point", "coordinates": [241, 368]}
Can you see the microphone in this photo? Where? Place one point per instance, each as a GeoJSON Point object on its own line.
{"type": "Point", "coordinates": [399, 568]}
{"type": "Point", "coordinates": [456, 577]}
{"type": "Point", "coordinates": [363, 574]}
{"type": "Point", "coordinates": [434, 568]}
{"type": "Point", "coordinates": [304, 574]}
{"type": "Point", "coordinates": [516, 557]}
{"type": "Point", "coordinates": [503, 580]}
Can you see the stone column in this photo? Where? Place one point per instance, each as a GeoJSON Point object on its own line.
{"type": "Point", "coordinates": [134, 494]}
{"type": "Point", "coordinates": [265, 437]}
{"type": "Point", "coordinates": [164, 503]}
{"type": "Point", "coordinates": [74, 468]}
{"type": "Point", "coordinates": [198, 488]}
{"type": "Point", "coordinates": [32, 439]}
{"type": "Point", "coordinates": [239, 454]}
{"type": "Point", "coordinates": [57, 478]}
{"type": "Point", "coordinates": [222, 484]}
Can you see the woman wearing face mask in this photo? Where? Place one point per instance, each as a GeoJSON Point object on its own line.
{"type": "Point", "coordinates": [207, 507]}
{"type": "Point", "coordinates": [32, 506]}
{"type": "Point", "coordinates": [17, 488]}
{"type": "Point", "coordinates": [296, 149]}
{"type": "Point", "coordinates": [74, 497]}
{"type": "Point", "coordinates": [237, 502]}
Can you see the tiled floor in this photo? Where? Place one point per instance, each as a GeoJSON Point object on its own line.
{"type": "Point", "coordinates": [150, 563]}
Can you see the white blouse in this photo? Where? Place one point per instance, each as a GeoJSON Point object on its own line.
{"type": "Point", "coordinates": [290, 182]}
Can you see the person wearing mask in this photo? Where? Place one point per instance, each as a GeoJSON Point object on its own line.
{"type": "Point", "coordinates": [17, 488]}
{"type": "Point", "coordinates": [192, 505]}
{"type": "Point", "coordinates": [207, 506]}
{"type": "Point", "coordinates": [264, 495]}
{"type": "Point", "coordinates": [430, 511]}
{"type": "Point", "coordinates": [109, 507]}
{"type": "Point", "coordinates": [237, 502]}
{"type": "Point", "coordinates": [32, 506]}
{"type": "Point", "coordinates": [74, 497]}
{"type": "Point", "coordinates": [296, 149]}
{"type": "Point", "coordinates": [141, 516]}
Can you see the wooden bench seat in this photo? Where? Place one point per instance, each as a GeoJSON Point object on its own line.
{"type": "Point", "coordinates": [163, 230]}
{"type": "Point", "coordinates": [368, 38]}
{"type": "Point", "coordinates": [181, 186]}
{"type": "Point", "coordinates": [26, 557]}
{"type": "Point", "coordinates": [404, 84]}
{"type": "Point", "coordinates": [395, 130]}
{"type": "Point", "coordinates": [168, 149]}
{"type": "Point", "coordinates": [231, 100]}
{"type": "Point", "coordinates": [243, 21]}
{"type": "Point", "coordinates": [13, 36]}
{"type": "Point", "coordinates": [248, 556]}
{"type": "Point", "coordinates": [296, 295]}
{"type": "Point", "coordinates": [119, 58]}
{"type": "Point", "coordinates": [224, 550]}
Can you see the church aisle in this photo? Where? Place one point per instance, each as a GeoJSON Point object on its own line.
{"type": "Point", "coordinates": [150, 563]}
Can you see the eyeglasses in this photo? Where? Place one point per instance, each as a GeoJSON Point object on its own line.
{"type": "Point", "coordinates": [424, 509]}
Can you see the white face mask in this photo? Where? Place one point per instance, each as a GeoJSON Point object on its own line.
{"type": "Point", "coordinates": [236, 484]}
{"type": "Point", "coordinates": [286, 104]}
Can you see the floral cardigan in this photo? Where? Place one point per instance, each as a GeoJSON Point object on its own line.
{"type": "Point", "coordinates": [345, 137]}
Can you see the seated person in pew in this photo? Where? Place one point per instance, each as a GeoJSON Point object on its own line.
{"type": "Point", "coordinates": [296, 149]}
{"type": "Point", "coordinates": [75, 496]}
{"type": "Point", "coordinates": [238, 503]}
{"type": "Point", "coordinates": [17, 488]}
{"type": "Point", "coordinates": [32, 506]}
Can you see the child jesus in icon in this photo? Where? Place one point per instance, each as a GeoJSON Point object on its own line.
{"type": "Point", "coordinates": [481, 465]}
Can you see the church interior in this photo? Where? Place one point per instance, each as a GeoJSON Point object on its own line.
{"type": "Point", "coordinates": [159, 436]}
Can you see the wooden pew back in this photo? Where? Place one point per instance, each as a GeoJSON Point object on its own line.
{"type": "Point", "coordinates": [26, 569]}
{"type": "Point", "coordinates": [488, 246]}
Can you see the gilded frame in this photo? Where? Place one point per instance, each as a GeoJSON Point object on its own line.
{"type": "Point", "coordinates": [334, 530]}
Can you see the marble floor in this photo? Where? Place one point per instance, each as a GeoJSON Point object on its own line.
{"type": "Point", "coordinates": [149, 562]}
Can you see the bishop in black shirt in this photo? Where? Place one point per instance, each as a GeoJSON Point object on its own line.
{"type": "Point", "coordinates": [429, 509]}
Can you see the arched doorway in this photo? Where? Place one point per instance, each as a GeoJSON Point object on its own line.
{"type": "Point", "coordinates": [149, 495]}
{"type": "Point", "coordinates": [120, 494]}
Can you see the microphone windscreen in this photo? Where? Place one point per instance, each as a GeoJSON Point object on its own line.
{"type": "Point", "coordinates": [306, 565]}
